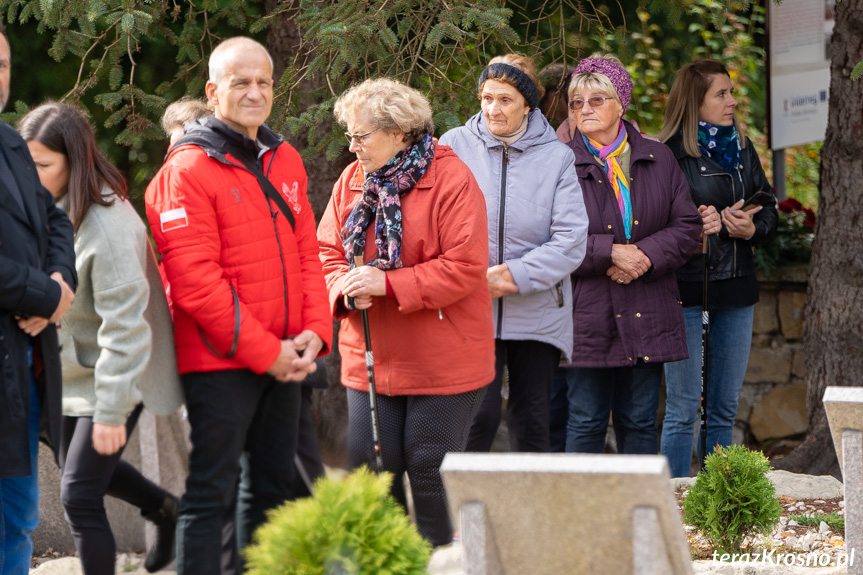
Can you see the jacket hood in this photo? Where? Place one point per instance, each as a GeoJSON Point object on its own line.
{"type": "Point", "coordinates": [217, 139]}
{"type": "Point", "coordinates": [539, 131]}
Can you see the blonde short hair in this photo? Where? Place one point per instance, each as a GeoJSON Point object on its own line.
{"type": "Point", "coordinates": [183, 110]}
{"type": "Point", "coordinates": [594, 80]}
{"type": "Point", "coordinates": [390, 105]}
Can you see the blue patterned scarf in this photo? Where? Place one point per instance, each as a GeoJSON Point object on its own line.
{"type": "Point", "coordinates": [381, 203]}
{"type": "Point", "coordinates": [721, 144]}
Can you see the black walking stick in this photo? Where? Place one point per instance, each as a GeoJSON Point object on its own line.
{"type": "Point", "coordinates": [705, 340]}
{"type": "Point", "coordinates": [373, 398]}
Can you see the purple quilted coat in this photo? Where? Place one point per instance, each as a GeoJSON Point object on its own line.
{"type": "Point", "coordinates": [614, 325]}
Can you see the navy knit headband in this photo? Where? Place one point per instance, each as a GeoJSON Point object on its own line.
{"type": "Point", "coordinates": [523, 83]}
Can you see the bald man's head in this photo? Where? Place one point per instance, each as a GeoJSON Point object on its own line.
{"type": "Point", "coordinates": [228, 50]}
{"type": "Point", "coordinates": [240, 88]}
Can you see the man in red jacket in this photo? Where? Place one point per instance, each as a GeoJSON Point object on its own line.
{"type": "Point", "coordinates": [229, 214]}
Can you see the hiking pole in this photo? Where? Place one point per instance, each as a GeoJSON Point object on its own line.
{"type": "Point", "coordinates": [373, 398]}
{"type": "Point", "coordinates": [705, 340]}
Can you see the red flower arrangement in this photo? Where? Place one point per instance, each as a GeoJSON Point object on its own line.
{"type": "Point", "coordinates": [791, 205]}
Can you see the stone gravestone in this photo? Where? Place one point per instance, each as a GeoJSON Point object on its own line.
{"type": "Point", "coordinates": [548, 514]}
{"type": "Point", "coordinates": [844, 407]}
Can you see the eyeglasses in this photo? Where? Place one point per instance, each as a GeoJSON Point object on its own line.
{"type": "Point", "coordinates": [359, 138]}
{"type": "Point", "coordinates": [594, 101]}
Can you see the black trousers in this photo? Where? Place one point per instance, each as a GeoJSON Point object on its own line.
{"type": "Point", "coordinates": [244, 425]}
{"type": "Point", "coordinates": [416, 432]}
{"type": "Point", "coordinates": [309, 456]}
{"type": "Point", "coordinates": [531, 365]}
{"type": "Point", "coordinates": [308, 451]}
{"type": "Point", "coordinates": [87, 477]}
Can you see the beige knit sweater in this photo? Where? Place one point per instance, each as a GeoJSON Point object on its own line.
{"type": "Point", "coordinates": [117, 338]}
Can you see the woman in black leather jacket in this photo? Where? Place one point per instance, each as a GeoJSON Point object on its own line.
{"type": "Point", "coordinates": [723, 171]}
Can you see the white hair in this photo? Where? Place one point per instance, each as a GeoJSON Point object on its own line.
{"type": "Point", "coordinates": [219, 56]}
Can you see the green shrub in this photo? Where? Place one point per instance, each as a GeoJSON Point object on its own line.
{"type": "Point", "coordinates": [835, 521]}
{"type": "Point", "coordinates": [349, 527]}
{"type": "Point", "coordinates": [732, 498]}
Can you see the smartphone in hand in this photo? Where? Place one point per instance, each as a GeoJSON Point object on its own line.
{"type": "Point", "coordinates": [758, 199]}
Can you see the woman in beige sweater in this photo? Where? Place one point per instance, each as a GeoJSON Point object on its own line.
{"type": "Point", "coordinates": [117, 344]}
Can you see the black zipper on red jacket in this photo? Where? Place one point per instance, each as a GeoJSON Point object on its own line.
{"type": "Point", "coordinates": [275, 214]}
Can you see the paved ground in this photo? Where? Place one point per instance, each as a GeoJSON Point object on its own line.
{"type": "Point", "coordinates": [447, 560]}
{"type": "Point", "coordinates": [126, 565]}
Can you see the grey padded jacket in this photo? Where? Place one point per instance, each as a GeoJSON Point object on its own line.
{"type": "Point", "coordinates": [537, 224]}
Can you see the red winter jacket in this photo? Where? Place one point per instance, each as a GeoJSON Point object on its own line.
{"type": "Point", "coordinates": [241, 279]}
{"type": "Point", "coordinates": [436, 336]}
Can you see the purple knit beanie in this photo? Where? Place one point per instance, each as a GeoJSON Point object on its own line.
{"type": "Point", "coordinates": [619, 77]}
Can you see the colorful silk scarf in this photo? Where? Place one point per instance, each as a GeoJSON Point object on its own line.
{"type": "Point", "coordinates": [381, 202]}
{"type": "Point", "coordinates": [721, 144]}
{"type": "Point", "coordinates": [609, 156]}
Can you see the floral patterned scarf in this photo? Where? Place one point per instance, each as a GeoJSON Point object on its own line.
{"type": "Point", "coordinates": [721, 144]}
{"type": "Point", "coordinates": [381, 202]}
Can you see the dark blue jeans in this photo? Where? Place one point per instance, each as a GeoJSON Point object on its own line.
{"type": "Point", "coordinates": [730, 338]}
{"type": "Point", "coordinates": [19, 501]}
{"type": "Point", "coordinates": [240, 420]}
{"type": "Point", "coordinates": [631, 394]}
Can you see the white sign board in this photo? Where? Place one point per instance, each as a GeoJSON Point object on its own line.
{"type": "Point", "coordinates": [799, 33]}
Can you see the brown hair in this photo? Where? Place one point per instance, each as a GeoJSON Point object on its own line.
{"type": "Point", "coordinates": [523, 63]}
{"type": "Point", "coordinates": [64, 129]}
{"type": "Point", "coordinates": [684, 101]}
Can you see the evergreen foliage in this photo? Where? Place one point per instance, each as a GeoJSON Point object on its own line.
{"type": "Point", "coordinates": [835, 521]}
{"type": "Point", "coordinates": [732, 498]}
{"type": "Point", "coordinates": [437, 48]}
{"type": "Point", "coordinates": [352, 527]}
{"type": "Point", "coordinates": [439, 51]}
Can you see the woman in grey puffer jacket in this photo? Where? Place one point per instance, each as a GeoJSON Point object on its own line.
{"type": "Point", "coordinates": [537, 228]}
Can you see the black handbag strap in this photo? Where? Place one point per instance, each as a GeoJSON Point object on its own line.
{"type": "Point", "coordinates": [269, 189]}
{"type": "Point", "coordinates": [216, 148]}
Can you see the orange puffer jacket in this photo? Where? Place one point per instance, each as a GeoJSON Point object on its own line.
{"type": "Point", "coordinates": [436, 336]}
{"type": "Point", "coordinates": [241, 279]}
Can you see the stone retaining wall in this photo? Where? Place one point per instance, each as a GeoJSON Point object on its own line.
{"type": "Point", "coordinates": [773, 399]}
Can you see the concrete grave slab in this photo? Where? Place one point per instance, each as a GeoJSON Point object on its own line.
{"type": "Point", "coordinates": [547, 514]}
{"type": "Point", "coordinates": [844, 407]}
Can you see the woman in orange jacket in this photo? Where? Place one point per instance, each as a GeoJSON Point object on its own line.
{"type": "Point", "coordinates": [413, 211]}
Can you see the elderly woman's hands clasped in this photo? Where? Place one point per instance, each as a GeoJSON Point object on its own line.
{"type": "Point", "coordinates": [630, 263]}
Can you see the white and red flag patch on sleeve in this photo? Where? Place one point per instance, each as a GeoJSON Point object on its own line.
{"type": "Point", "coordinates": [174, 219]}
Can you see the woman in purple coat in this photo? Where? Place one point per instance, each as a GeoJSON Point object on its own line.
{"type": "Point", "coordinates": [627, 316]}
